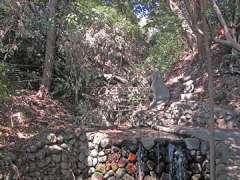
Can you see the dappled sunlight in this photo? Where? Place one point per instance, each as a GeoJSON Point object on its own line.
{"type": "Point", "coordinates": [30, 114]}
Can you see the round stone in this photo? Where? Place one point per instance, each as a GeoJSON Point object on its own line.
{"type": "Point", "coordinates": [192, 143]}
{"type": "Point", "coordinates": [56, 158]}
{"type": "Point", "coordinates": [150, 165]}
{"type": "Point", "coordinates": [95, 161]}
{"type": "Point", "coordinates": [104, 142]}
{"type": "Point", "coordinates": [91, 170]}
{"type": "Point", "coordinates": [94, 153]}
{"type": "Point", "coordinates": [51, 138]}
{"type": "Point", "coordinates": [102, 159]}
{"type": "Point", "coordinates": [101, 153]}
{"type": "Point", "coordinates": [120, 173]}
{"type": "Point", "coordinates": [90, 161]}
{"type": "Point", "coordinates": [109, 174]}
{"type": "Point", "coordinates": [101, 168]}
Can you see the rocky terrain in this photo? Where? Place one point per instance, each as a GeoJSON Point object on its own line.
{"type": "Point", "coordinates": [73, 153]}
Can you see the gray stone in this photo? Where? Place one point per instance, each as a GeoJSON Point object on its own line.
{"type": "Point", "coordinates": [81, 165]}
{"type": "Point", "coordinates": [204, 147]}
{"type": "Point", "coordinates": [196, 168]}
{"type": "Point", "coordinates": [115, 149]}
{"type": "Point", "coordinates": [112, 178]}
{"type": "Point", "coordinates": [66, 173]}
{"type": "Point", "coordinates": [72, 142]}
{"type": "Point", "coordinates": [97, 176]}
{"type": "Point", "coordinates": [65, 146]}
{"type": "Point", "coordinates": [64, 165]}
{"type": "Point", "coordinates": [83, 138]}
{"type": "Point", "coordinates": [222, 151]}
{"type": "Point", "coordinates": [102, 159]}
{"type": "Point", "coordinates": [91, 170]}
{"type": "Point", "coordinates": [94, 153]}
{"type": "Point", "coordinates": [192, 143]}
{"type": "Point", "coordinates": [55, 148]}
{"type": "Point", "coordinates": [196, 177]}
{"type": "Point", "coordinates": [120, 172]}
{"type": "Point", "coordinates": [41, 163]}
{"type": "Point", "coordinates": [90, 136]}
{"type": "Point", "coordinates": [82, 157]}
{"type": "Point", "coordinates": [95, 161]}
{"type": "Point", "coordinates": [228, 117]}
{"type": "Point", "coordinates": [64, 157]}
{"type": "Point", "coordinates": [186, 96]}
{"type": "Point", "coordinates": [56, 158]}
{"type": "Point", "coordinates": [109, 174]}
{"type": "Point", "coordinates": [130, 144]}
{"type": "Point", "coordinates": [222, 177]}
{"type": "Point", "coordinates": [101, 153]}
{"type": "Point", "coordinates": [199, 158]}
{"type": "Point", "coordinates": [78, 132]}
{"type": "Point", "coordinates": [104, 142]}
{"type": "Point", "coordinates": [160, 167]}
{"type": "Point", "coordinates": [153, 175]}
{"type": "Point", "coordinates": [127, 177]}
{"type": "Point", "coordinates": [90, 161]}
{"type": "Point", "coordinates": [206, 165]}
{"type": "Point", "coordinates": [193, 153]}
{"type": "Point", "coordinates": [33, 148]}
{"type": "Point", "coordinates": [51, 138]}
{"type": "Point", "coordinates": [31, 156]}
{"type": "Point", "coordinates": [32, 166]}
{"type": "Point", "coordinates": [148, 143]}
{"type": "Point", "coordinates": [91, 146]}
{"type": "Point", "coordinates": [60, 138]}
{"type": "Point", "coordinates": [149, 178]}
{"type": "Point", "coordinates": [98, 137]}
{"type": "Point", "coordinates": [220, 169]}
{"type": "Point", "coordinates": [150, 165]}
{"type": "Point", "coordinates": [164, 176]}
{"type": "Point", "coordinates": [80, 177]}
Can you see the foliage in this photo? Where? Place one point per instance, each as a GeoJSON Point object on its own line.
{"type": "Point", "coordinates": [2, 154]}
{"type": "Point", "coordinates": [3, 84]}
{"type": "Point", "coordinates": [166, 51]}
{"type": "Point", "coordinates": [227, 8]}
{"type": "Point", "coordinates": [167, 44]}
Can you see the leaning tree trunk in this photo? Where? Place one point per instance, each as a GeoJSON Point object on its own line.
{"type": "Point", "coordinates": [50, 50]}
{"type": "Point", "coordinates": [206, 56]}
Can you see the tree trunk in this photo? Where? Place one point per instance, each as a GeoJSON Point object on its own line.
{"type": "Point", "coordinates": [198, 23]}
{"type": "Point", "coordinates": [235, 24]}
{"type": "Point", "coordinates": [50, 50]}
{"type": "Point", "coordinates": [206, 55]}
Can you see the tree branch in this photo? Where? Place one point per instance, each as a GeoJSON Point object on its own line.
{"type": "Point", "coordinates": [221, 19]}
{"type": "Point", "coordinates": [228, 43]}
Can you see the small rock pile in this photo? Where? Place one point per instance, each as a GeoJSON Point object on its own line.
{"type": "Point", "coordinates": [187, 113]}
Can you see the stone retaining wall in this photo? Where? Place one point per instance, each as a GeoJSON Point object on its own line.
{"type": "Point", "coordinates": [75, 154]}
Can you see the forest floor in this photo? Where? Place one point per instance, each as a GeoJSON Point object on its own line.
{"type": "Point", "coordinates": [25, 114]}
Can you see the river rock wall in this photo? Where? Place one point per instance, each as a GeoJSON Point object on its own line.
{"type": "Point", "coordinates": [72, 153]}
